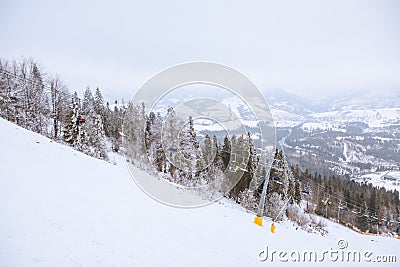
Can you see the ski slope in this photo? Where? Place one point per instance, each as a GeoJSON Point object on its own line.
{"type": "Point", "coordinates": [59, 207]}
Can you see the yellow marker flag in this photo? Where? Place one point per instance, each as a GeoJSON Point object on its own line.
{"type": "Point", "coordinates": [273, 227]}
{"type": "Point", "coordinates": [258, 220]}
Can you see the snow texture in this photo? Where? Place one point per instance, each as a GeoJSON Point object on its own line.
{"type": "Point", "coordinates": [60, 207]}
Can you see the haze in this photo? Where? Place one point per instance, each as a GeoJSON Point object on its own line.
{"type": "Point", "coordinates": [309, 47]}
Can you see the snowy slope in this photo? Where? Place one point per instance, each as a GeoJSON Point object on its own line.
{"type": "Point", "coordinates": [59, 207]}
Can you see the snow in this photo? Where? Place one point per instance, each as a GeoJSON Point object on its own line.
{"type": "Point", "coordinates": [284, 118]}
{"type": "Point", "coordinates": [376, 179]}
{"type": "Point", "coordinates": [345, 152]}
{"type": "Point", "coordinates": [336, 120]}
{"type": "Point", "coordinates": [310, 126]}
{"type": "Point", "coordinates": [373, 117]}
{"type": "Point", "coordinates": [60, 207]}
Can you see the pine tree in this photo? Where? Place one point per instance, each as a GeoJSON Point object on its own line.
{"type": "Point", "coordinates": [207, 151]}
{"type": "Point", "coordinates": [246, 145]}
{"type": "Point", "coordinates": [189, 148]}
{"type": "Point", "coordinates": [34, 100]}
{"type": "Point", "coordinates": [134, 132]}
{"type": "Point", "coordinates": [297, 192]}
{"type": "Point", "coordinates": [225, 152]}
{"type": "Point", "coordinates": [217, 163]}
{"type": "Point", "coordinates": [276, 182]}
{"type": "Point", "coordinates": [74, 133]}
{"type": "Point", "coordinates": [88, 103]}
{"type": "Point", "coordinates": [116, 128]}
{"type": "Point", "coordinates": [99, 103]}
{"type": "Point", "coordinates": [71, 128]}
{"type": "Point", "coordinates": [97, 139]}
{"type": "Point", "coordinates": [153, 143]}
{"type": "Point", "coordinates": [59, 105]}
{"type": "Point", "coordinates": [291, 191]}
{"type": "Point", "coordinates": [103, 111]}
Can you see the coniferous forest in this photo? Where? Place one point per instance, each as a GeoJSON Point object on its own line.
{"type": "Point", "coordinates": [43, 104]}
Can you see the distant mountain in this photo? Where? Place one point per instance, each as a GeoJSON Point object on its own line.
{"type": "Point", "coordinates": [377, 108]}
{"type": "Point", "coordinates": [374, 99]}
{"type": "Point", "coordinates": [289, 102]}
{"type": "Point", "coordinates": [355, 100]}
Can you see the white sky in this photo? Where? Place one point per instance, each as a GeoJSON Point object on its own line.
{"type": "Point", "coordinates": [305, 46]}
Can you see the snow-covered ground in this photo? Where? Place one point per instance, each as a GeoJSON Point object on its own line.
{"type": "Point", "coordinates": [377, 179]}
{"type": "Point", "coordinates": [373, 117]}
{"type": "Point", "coordinates": [337, 120]}
{"type": "Point", "coordinates": [59, 207]}
{"type": "Point", "coordinates": [284, 118]}
{"type": "Point", "coordinates": [310, 126]}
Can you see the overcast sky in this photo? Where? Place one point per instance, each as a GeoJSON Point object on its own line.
{"type": "Point", "coordinates": [304, 46]}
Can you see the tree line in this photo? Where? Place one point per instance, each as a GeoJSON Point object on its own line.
{"type": "Point", "coordinates": [291, 192]}
{"type": "Point", "coordinates": [358, 205]}
{"type": "Point", "coordinates": [42, 103]}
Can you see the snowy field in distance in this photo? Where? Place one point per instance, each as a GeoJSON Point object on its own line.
{"type": "Point", "coordinates": [377, 180]}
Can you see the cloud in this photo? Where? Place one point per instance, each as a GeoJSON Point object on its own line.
{"type": "Point", "coordinates": [307, 46]}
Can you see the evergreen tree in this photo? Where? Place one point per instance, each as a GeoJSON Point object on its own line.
{"type": "Point", "coordinates": [189, 149]}
{"type": "Point", "coordinates": [297, 192]}
{"type": "Point", "coordinates": [74, 133]}
{"type": "Point", "coordinates": [276, 179]}
{"type": "Point", "coordinates": [99, 103]}
{"type": "Point", "coordinates": [116, 128]}
{"type": "Point", "coordinates": [59, 105]}
{"type": "Point", "coordinates": [88, 103]}
{"type": "Point", "coordinates": [225, 152]}
{"type": "Point", "coordinates": [97, 139]}
{"type": "Point", "coordinates": [217, 163]}
{"type": "Point", "coordinates": [290, 191]}
{"type": "Point", "coordinates": [244, 182]}
{"type": "Point", "coordinates": [207, 151]}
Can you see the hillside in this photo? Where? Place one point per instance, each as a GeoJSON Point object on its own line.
{"type": "Point", "coordinates": [60, 207]}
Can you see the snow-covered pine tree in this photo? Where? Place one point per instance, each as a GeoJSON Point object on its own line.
{"type": "Point", "coordinates": [88, 103]}
{"type": "Point", "coordinates": [7, 86]}
{"type": "Point", "coordinates": [148, 134]}
{"type": "Point", "coordinates": [116, 128]}
{"type": "Point", "coordinates": [206, 150]}
{"type": "Point", "coordinates": [290, 191]}
{"type": "Point", "coordinates": [74, 133]}
{"type": "Point", "coordinates": [104, 111]}
{"type": "Point", "coordinates": [297, 192]}
{"type": "Point", "coordinates": [35, 101]}
{"type": "Point", "coordinates": [246, 143]}
{"type": "Point", "coordinates": [153, 144]}
{"type": "Point", "coordinates": [97, 139]}
{"type": "Point", "coordinates": [217, 159]}
{"type": "Point", "coordinates": [130, 138]}
{"type": "Point", "coordinates": [59, 104]}
{"type": "Point", "coordinates": [71, 128]}
{"type": "Point", "coordinates": [189, 147]}
{"type": "Point", "coordinates": [170, 143]}
{"type": "Point", "coordinates": [98, 102]}
{"type": "Point", "coordinates": [276, 183]}
{"type": "Point", "coordinates": [134, 134]}
{"type": "Point", "coordinates": [226, 152]}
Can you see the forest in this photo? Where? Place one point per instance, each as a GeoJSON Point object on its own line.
{"type": "Point", "coordinates": [42, 103]}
